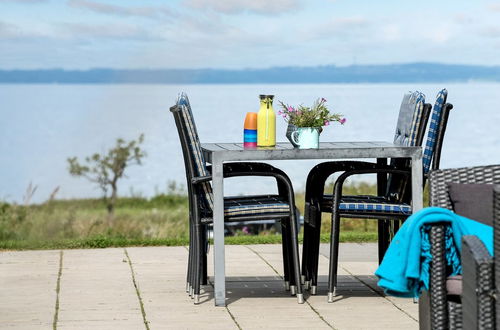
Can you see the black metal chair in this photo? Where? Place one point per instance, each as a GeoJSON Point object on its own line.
{"type": "Point", "coordinates": [393, 196]}
{"type": "Point", "coordinates": [443, 307]}
{"type": "Point", "coordinates": [280, 206]}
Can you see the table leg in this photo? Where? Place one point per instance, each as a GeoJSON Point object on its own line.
{"type": "Point", "coordinates": [416, 183]}
{"type": "Point", "coordinates": [383, 224]}
{"type": "Point", "coordinates": [218, 224]}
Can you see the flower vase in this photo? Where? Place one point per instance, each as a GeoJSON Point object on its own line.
{"type": "Point", "coordinates": [306, 137]}
{"type": "Point", "coordinates": [289, 131]}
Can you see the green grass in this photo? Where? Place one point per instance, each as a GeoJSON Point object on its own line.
{"type": "Point", "coordinates": [105, 242]}
{"type": "Point", "coordinates": [158, 221]}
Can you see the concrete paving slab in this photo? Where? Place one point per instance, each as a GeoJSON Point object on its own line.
{"type": "Point", "coordinates": [97, 291]}
{"type": "Point", "coordinates": [28, 282]}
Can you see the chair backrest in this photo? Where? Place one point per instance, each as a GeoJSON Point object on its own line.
{"type": "Point", "coordinates": [434, 142]}
{"type": "Point", "coordinates": [437, 128]}
{"type": "Point", "coordinates": [410, 128]}
{"type": "Point", "coordinates": [496, 247]}
{"type": "Point", "coordinates": [439, 180]}
{"type": "Point", "coordinates": [191, 147]}
{"type": "Point", "coordinates": [408, 132]}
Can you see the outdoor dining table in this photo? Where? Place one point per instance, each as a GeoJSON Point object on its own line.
{"type": "Point", "coordinates": [218, 153]}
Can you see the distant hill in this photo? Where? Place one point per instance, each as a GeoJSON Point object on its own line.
{"type": "Point", "coordinates": [397, 73]}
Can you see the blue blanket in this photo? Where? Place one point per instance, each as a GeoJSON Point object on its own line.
{"type": "Point", "coordinates": [404, 272]}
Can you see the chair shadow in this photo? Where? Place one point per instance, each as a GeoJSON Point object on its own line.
{"type": "Point", "coordinates": [268, 287]}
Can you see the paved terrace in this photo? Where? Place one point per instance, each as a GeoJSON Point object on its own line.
{"type": "Point", "coordinates": [143, 288]}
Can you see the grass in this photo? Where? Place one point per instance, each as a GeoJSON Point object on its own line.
{"type": "Point", "coordinates": [106, 242]}
{"type": "Point", "coordinates": [158, 221]}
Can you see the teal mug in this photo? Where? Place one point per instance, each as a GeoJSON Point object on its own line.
{"type": "Point", "coordinates": [306, 137]}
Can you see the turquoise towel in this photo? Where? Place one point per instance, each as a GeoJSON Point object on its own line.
{"type": "Point", "coordinates": [404, 272]}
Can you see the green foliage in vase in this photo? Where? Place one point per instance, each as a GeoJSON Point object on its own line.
{"type": "Point", "coordinates": [316, 116]}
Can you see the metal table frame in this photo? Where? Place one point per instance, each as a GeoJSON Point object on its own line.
{"type": "Point", "coordinates": [218, 153]}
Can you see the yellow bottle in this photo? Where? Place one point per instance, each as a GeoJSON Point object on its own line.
{"type": "Point", "coordinates": [266, 122]}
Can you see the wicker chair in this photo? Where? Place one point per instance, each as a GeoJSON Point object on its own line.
{"type": "Point", "coordinates": [437, 308]}
{"type": "Point", "coordinates": [264, 207]}
{"type": "Point", "coordinates": [393, 199]}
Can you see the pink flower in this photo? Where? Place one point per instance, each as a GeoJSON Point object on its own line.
{"type": "Point", "coordinates": [299, 113]}
{"type": "Point", "coordinates": [342, 121]}
{"type": "Point", "coordinates": [280, 112]}
{"type": "Point", "coordinates": [290, 108]}
{"type": "Point", "coordinates": [326, 123]}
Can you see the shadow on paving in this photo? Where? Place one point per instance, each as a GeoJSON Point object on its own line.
{"type": "Point", "coordinates": [263, 287]}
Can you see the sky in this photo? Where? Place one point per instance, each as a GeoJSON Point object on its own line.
{"type": "Point", "coordinates": [235, 34]}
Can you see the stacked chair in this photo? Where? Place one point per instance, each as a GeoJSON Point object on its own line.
{"type": "Point", "coordinates": [467, 301]}
{"type": "Point", "coordinates": [280, 206]}
{"type": "Point", "coordinates": [393, 200]}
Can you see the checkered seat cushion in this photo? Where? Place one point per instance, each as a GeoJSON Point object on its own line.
{"type": "Point", "coordinates": [256, 206]}
{"type": "Point", "coordinates": [366, 204]}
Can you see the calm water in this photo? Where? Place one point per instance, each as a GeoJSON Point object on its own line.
{"type": "Point", "coordinates": [42, 125]}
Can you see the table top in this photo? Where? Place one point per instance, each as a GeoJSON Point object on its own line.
{"type": "Point", "coordinates": [326, 150]}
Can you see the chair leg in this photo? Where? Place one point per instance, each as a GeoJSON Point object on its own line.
{"type": "Point", "coordinates": [382, 238]}
{"type": "Point", "coordinates": [199, 250]}
{"type": "Point", "coordinates": [305, 278]}
{"type": "Point", "coordinates": [204, 251]}
{"type": "Point", "coordinates": [295, 255]}
{"type": "Point", "coordinates": [334, 256]}
{"type": "Point", "coordinates": [190, 260]}
{"type": "Point", "coordinates": [315, 256]}
{"type": "Point", "coordinates": [286, 253]}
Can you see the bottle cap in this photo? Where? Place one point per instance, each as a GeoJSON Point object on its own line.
{"type": "Point", "coordinates": [262, 96]}
{"type": "Point", "coordinates": [250, 120]}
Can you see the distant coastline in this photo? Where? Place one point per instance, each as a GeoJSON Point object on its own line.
{"type": "Point", "coordinates": [390, 73]}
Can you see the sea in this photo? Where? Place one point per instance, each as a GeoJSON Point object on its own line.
{"type": "Point", "coordinates": [41, 126]}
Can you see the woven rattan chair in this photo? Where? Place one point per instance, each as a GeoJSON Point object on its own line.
{"type": "Point", "coordinates": [280, 206]}
{"type": "Point", "coordinates": [438, 309]}
{"type": "Point", "coordinates": [393, 199]}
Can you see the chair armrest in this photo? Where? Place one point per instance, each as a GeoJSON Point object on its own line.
{"type": "Point", "coordinates": [337, 189]}
{"type": "Point", "coordinates": [237, 169]}
{"type": "Point", "coordinates": [315, 184]}
{"type": "Point", "coordinates": [200, 179]}
{"type": "Point", "coordinates": [478, 285]}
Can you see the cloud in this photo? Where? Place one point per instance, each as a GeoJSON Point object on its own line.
{"type": "Point", "coordinates": [231, 7]}
{"type": "Point", "coordinates": [491, 31]}
{"type": "Point", "coordinates": [15, 32]}
{"type": "Point", "coordinates": [494, 7]}
{"type": "Point", "coordinates": [346, 27]}
{"type": "Point", "coordinates": [120, 32]}
{"type": "Point", "coordinates": [148, 12]}
{"type": "Point", "coordinates": [24, 1]}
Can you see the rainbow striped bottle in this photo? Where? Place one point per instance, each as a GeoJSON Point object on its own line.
{"type": "Point", "coordinates": [250, 130]}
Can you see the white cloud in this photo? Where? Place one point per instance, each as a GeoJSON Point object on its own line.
{"type": "Point", "coordinates": [494, 6]}
{"type": "Point", "coordinates": [492, 31]}
{"type": "Point", "coordinates": [346, 27]}
{"type": "Point", "coordinates": [148, 12]}
{"type": "Point", "coordinates": [118, 32]}
{"type": "Point", "coordinates": [261, 7]}
{"type": "Point", "coordinates": [23, 1]}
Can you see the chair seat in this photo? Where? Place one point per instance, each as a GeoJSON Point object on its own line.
{"type": "Point", "coordinates": [365, 204]}
{"type": "Point", "coordinates": [255, 206]}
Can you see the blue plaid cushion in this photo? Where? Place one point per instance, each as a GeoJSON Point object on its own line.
{"type": "Point", "coordinates": [375, 207]}
{"type": "Point", "coordinates": [433, 129]}
{"type": "Point", "coordinates": [255, 206]}
{"type": "Point", "coordinates": [195, 147]}
{"type": "Point", "coordinates": [368, 204]}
